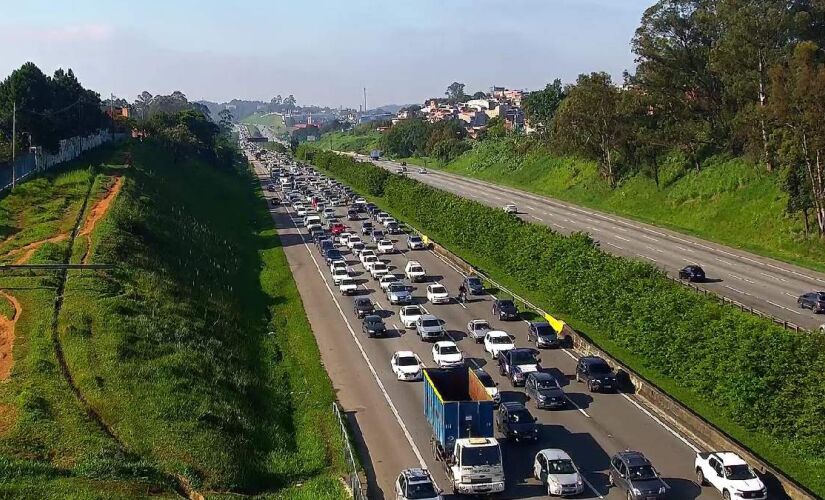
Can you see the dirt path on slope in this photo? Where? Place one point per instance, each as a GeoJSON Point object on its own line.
{"type": "Point", "coordinates": [7, 335]}
{"type": "Point", "coordinates": [100, 209]}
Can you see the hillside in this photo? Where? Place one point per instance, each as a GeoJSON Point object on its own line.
{"type": "Point", "coordinates": [272, 120]}
{"type": "Point", "coordinates": [175, 371]}
{"type": "Point", "coordinates": [729, 200]}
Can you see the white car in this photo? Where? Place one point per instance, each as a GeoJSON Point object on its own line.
{"type": "Point", "coordinates": [369, 260]}
{"type": "Point", "coordinates": [409, 315]}
{"type": "Point", "coordinates": [338, 275]}
{"type": "Point", "coordinates": [385, 247]}
{"type": "Point", "coordinates": [414, 271]}
{"type": "Point", "coordinates": [437, 294]}
{"type": "Point", "coordinates": [387, 220]}
{"type": "Point", "coordinates": [385, 281]}
{"type": "Point", "coordinates": [311, 219]}
{"type": "Point", "coordinates": [338, 264]}
{"type": "Point", "coordinates": [406, 365]}
{"type": "Point", "coordinates": [378, 269]}
{"type": "Point", "coordinates": [360, 201]}
{"type": "Point", "coordinates": [557, 472]}
{"type": "Point", "coordinates": [347, 286]}
{"type": "Point", "coordinates": [343, 238]}
{"type": "Point", "coordinates": [730, 475]}
{"type": "Point", "coordinates": [366, 253]}
{"type": "Point", "coordinates": [300, 211]}
{"type": "Point", "coordinates": [447, 355]}
{"type": "Point", "coordinates": [352, 240]}
{"type": "Point", "coordinates": [510, 209]}
{"type": "Point", "coordinates": [496, 341]}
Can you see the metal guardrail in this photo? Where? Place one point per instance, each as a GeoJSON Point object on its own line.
{"type": "Point", "coordinates": [357, 488]}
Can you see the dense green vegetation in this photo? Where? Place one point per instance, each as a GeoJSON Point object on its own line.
{"type": "Point", "coordinates": [361, 139]}
{"type": "Point", "coordinates": [709, 356]}
{"type": "Point", "coordinates": [271, 120]}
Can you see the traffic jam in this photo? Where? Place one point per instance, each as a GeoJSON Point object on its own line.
{"type": "Point", "coordinates": [491, 395]}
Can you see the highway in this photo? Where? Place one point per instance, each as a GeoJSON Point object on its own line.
{"type": "Point", "coordinates": [389, 414]}
{"type": "Point", "coordinates": [767, 285]}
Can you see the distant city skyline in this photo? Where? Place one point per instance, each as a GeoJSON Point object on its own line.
{"type": "Point", "coordinates": [323, 52]}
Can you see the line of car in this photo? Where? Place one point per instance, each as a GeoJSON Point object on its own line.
{"type": "Point", "coordinates": [520, 365]}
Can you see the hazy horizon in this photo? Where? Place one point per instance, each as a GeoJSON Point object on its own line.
{"type": "Point", "coordinates": [322, 52]}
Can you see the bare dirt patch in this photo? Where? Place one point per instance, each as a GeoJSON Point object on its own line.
{"type": "Point", "coordinates": [7, 335]}
{"type": "Point", "coordinates": [100, 209]}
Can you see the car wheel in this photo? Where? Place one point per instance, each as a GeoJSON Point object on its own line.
{"type": "Point", "coordinates": [578, 378]}
{"type": "Point", "coordinates": [610, 480]}
{"type": "Point", "coordinates": [629, 496]}
{"type": "Point", "coordinates": [590, 387]}
{"type": "Point", "coordinates": [700, 478]}
{"type": "Point", "coordinates": [726, 495]}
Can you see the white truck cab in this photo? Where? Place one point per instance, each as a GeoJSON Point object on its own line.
{"type": "Point", "coordinates": [477, 466]}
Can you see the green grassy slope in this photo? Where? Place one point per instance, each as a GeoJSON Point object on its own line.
{"type": "Point", "coordinates": [273, 121]}
{"type": "Point", "coordinates": [190, 351]}
{"type": "Point", "coordinates": [350, 141]}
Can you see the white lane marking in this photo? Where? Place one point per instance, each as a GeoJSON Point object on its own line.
{"type": "Point", "coordinates": [741, 278]}
{"type": "Point", "coordinates": [772, 276]}
{"type": "Point", "coordinates": [594, 490]}
{"type": "Point", "coordinates": [649, 238]}
{"type": "Point", "coordinates": [688, 250]}
{"type": "Point", "coordinates": [791, 295]}
{"type": "Point", "coordinates": [366, 358]}
{"type": "Point", "coordinates": [613, 245]}
{"type": "Point", "coordinates": [654, 249]}
{"type": "Point", "coordinates": [559, 226]}
{"type": "Point", "coordinates": [576, 406]}
{"type": "Point", "coordinates": [783, 307]}
{"type": "Point", "coordinates": [656, 419]}
{"type": "Point", "coordinates": [620, 237]}
{"type": "Point", "coordinates": [736, 290]}
{"type": "Point", "coordinates": [646, 257]}
{"type": "Point", "coordinates": [593, 228]}
{"type": "Point", "coordinates": [537, 218]}
{"type": "Point", "coordinates": [624, 230]}
{"type": "Point", "coordinates": [720, 260]}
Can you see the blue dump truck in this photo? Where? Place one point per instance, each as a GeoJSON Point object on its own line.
{"type": "Point", "coordinates": [460, 412]}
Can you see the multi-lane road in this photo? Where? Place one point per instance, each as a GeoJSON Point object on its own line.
{"type": "Point", "coordinates": [388, 415]}
{"type": "Point", "coordinates": [767, 285]}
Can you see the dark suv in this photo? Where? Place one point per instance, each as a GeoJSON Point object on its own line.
{"type": "Point", "coordinates": [545, 391]}
{"type": "Point", "coordinates": [815, 301]}
{"type": "Point", "coordinates": [692, 273]}
{"type": "Point", "coordinates": [542, 334]}
{"type": "Point", "coordinates": [362, 306]}
{"type": "Point", "coordinates": [598, 375]}
{"type": "Point", "coordinates": [632, 472]}
{"type": "Point", "coordinates": [505, 309]}
{"type": "Point", "coordinates": [516, 422]}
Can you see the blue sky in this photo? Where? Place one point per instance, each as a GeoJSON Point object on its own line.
{"type": "Point", "coordinates": [322, 51]}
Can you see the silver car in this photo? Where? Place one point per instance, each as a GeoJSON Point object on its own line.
{"type": "Point", "coordinates": [477, 329]}
{"type": "Point", "coordinates": [429, 327]}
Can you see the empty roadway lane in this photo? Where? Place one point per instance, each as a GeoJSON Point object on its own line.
{"type": "Point", "coordinates": [765, 284]}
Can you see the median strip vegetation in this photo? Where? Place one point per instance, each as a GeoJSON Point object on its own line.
{"type": "Point", "coordinates": [756, 381]}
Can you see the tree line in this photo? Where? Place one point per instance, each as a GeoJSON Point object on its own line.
{"type": "Point", "coordinates": [48, 109]}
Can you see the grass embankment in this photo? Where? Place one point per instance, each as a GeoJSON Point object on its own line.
{"type": "Point", "coordinates": [271, 120]}
{"type": "Point", "coordinates": [195, 351]}
{"type": "Point", "coordinates": [708, 356]}
{"type": "Point", "coordinates": [357, 140]}
{"type": "Point", "coordinates": [729, 201]}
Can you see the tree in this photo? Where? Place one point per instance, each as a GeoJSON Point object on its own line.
{"type": "Point", "coordinates": [455, 92]}
{"type": "Point", "coordinates": [289, 103]}
{"type": "Point", "coordinates": [406, 138]}
{"type": "Point", "coordinates": [589, 122]}
{"type": "Point", "coordinates": [541, 105]}
{"type": "Point", "coordinates": [495, 128]}
{"type": "Point", "coordinates": [226, 118]}
{"type": "Point", "coordinates": [480, 95]}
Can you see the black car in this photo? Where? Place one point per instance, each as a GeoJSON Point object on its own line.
{"type": "Point", "coordinates": [332, 254]}
{"type": "Point", "coordinates": [362, 306]}
{"type": "Point", "coordinates": [505, 309]}
{"type": "Point", "coordinates": [692, 273]}
{"type": "Point", "coordinates": [366, 228]}
{"type": "Point", "coordinates": [596, 373]}
{"type": "Point", "coordinates": [542, 334]}
{"type": "Point", "coordinates": [373, 326]}
{"type": "Point", "coordinates": [371, 208]}
{"type": "Point", "coordinates": [632, 472]}
{"type": "Point", "coordinates": [474, 285]}
{"type": "Point", "coordinates": [815, 301]}
{"type": "Point", "coordinates": [545, 391]}
{"type": "Point", "coordinates": [325, 244]}
{"type": "Point", "coordinates": [517, 363]}
{"type": "Point", "coordinates": [352, 215]}
{"type": "Point", "coordinates": [516, 423]}
{"type": "Point", "coordinates": [393, 228]}
{"type": "Point", "coordinates": [377, 235]}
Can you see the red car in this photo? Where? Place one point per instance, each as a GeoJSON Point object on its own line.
{"type": "Point", "coordinates": [338, 228]}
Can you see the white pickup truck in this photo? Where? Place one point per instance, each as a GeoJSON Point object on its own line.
{"type": "Point", "coordinates": [728, 473]}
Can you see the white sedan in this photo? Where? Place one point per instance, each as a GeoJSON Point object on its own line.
{"type": "Point", "coordinates": [437, 294]}
{"type": "Point", "coordinates": [364, 254]}
{"type": "Point", "coordinates": [386, 246]}
{"type": "Point", "coordinates": [496, 341]}
{"type": "Point", "coordinates": [301, 211]}
{"type": "Point", "coordinates": [343, 238]}
{"type": "Point", "coordinates": [446, 354]}
{"type": "Point", "coordinates": [409, 315]}
{"type": "Point", "coordinates": [406, 365]}
{"type": "Point", "coordinates": [385, 281]}
{"type": "Point", "coordinates": [352, 240]}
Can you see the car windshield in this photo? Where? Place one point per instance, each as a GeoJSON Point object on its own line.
{"type": "Point", "coordinates": [363, 303]}
{"type": "Point", "coordinates": [416, 491]}
{"type": "Point", "coordinates": [347, 282]}
{"type": "Point", "coordinates": [473, 281]}
{"type": "Point", "coordinates": [480, 455]}
{"type": "Point", "coordinates": [373, 320]}
{"type": "Point", "coordinates": [416, 269]}
{"type": "Point", "coordinates": [599, 368]}
{"type": "Point", "coordinates": [550, 383]}
{"type": "Point", "coordinates": [397, 287]}
{"type": "Point", "coordinates": [523, 358]}
{"type": "Point", "coordinates": [448, 349]}
{"type": "Point", "coordinates": [506, 304]}
{"type": "Point", "coordinates": [407, 361]}
{"type": "Point", "coordinates": [520, 416]}
{"type": "Point", "coordinates": [641, 473]}
{"type": "Point", "coordinates": [739, 472]}
{"type": "Point", "coordinates": [485, 379]}
{"type": "Point", "coordinates": [438, 289]}
{"type": "Point", "coordinates": [431, 322]}
{"type": "Point", "coordinates": [412, 311]}
{"type": "Point", "coordinates": [544, 330]}
{"type": "Point", "coordinates": [415, 239]}
{"type": "Point", "coordinates": [481, 326]}
{"type": "Point", "coordinates": [379, 266]}
{"type": "Point", "coordinates": [500, 339]}
{"type": "Point", "coordinates": [561, 466]}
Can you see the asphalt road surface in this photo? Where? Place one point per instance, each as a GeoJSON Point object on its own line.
{"type": "Point", "coordinates": [765, 284]}
{"type": "Point", "coordinates": [388, 415]}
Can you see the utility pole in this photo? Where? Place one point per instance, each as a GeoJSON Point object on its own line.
{"type": "Point", "coordinates": [365, 100]}
{"type": "Point", "coordinates": [13, 142]}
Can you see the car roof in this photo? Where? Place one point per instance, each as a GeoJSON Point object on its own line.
{"type": "Point", "coordinates": [512, 405]}
{"type": "Point", "coordinates": [729, 458]}
{"type": "Point", "coordinates": [592, 360]}
{"type": "Point", "coordinates": [443, 343]}
{"type": "Point", "coordinates": [474, 321]}
{"type": "Point", "coordinates": [541, 376]}
{"type": "Point", "coordinates": [401, 354]}
{"type": "Point", "coordinates": [539, 323]}
{"type": "Point", "coordinates": [362, 300]}
{"type": "Point", "coordinates": [416, 475]}
{"type": "Point", "coordinates": [428, 316]}
{"type": "Point", "coordinates": [633, 458]}
{"type": "Point", "coordinates": [497, 333]}
{"type": "Point", "coordinates": [407, 308]}
{"type": "Point", "coordinates": [554, 454]}
{"type": "Point", "coordinates": [372, 317]}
